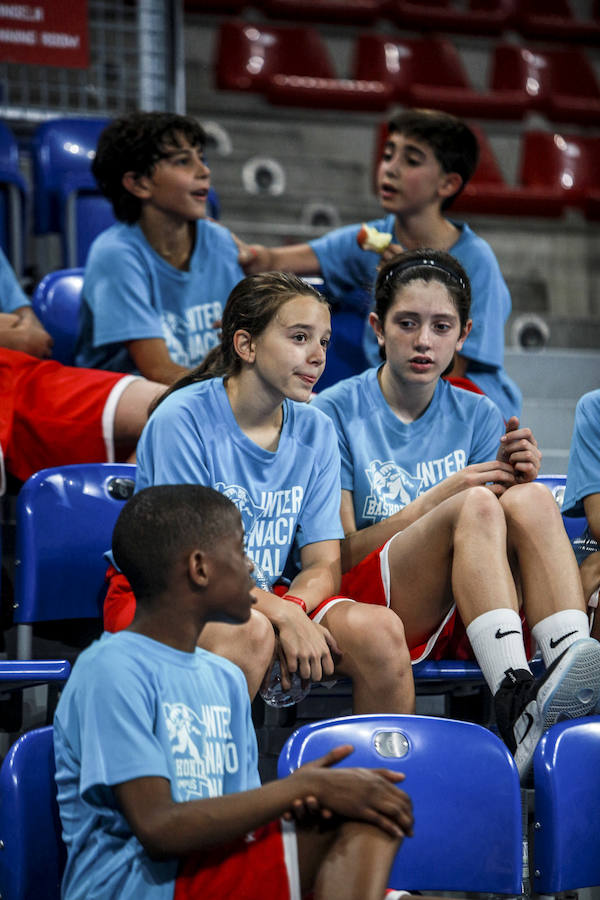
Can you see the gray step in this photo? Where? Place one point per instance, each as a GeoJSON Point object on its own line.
{"type": "Point", "coordinates": [553, 373]}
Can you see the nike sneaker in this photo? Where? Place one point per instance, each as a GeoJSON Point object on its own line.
{"type": "Point", "coordinates": [526, 707]}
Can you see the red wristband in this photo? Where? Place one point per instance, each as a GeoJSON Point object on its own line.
{"type": "Point", "coordinates": [297, 600]}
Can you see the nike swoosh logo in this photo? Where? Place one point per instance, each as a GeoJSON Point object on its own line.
{"type": "Point", "coordinates": [555, 643]}
{"type": "Point", "coordinates": [528, 728]}
{"type": "Point", "coordinates": [501, 634]}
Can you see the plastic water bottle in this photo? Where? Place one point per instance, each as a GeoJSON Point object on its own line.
{"type": "Point", "coordinates": [273, 692]}
{"type": "Point", "coordinates": [271, 689]}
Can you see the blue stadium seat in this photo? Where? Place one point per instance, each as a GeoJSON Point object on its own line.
{"type": "Point", "coordinates": [566, 764]}
{"type": "Point", "coordinates": [33, 855]}
{"type": "Point", "coordinates": [18, 674]}
{"type": "Point", "coordinates": [66, 196]}
{"type": "Point", "coordinates": [65, 518]}
{"type": "Point", "coordinates": [56, 302]}
{"type": "Point", "coordinates": [13, 194]}
{"type": "Point", "coordinates": [464, 787]}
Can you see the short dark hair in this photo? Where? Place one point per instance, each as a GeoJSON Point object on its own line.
{"type": "Point", "coordinates": [452, 141]}
{"type": "Point", "coordinates": [160, 523]}
{"type": "Point", "coordinates": [135, 143]}
{"type": "Point", "coordinates": [424, 265]}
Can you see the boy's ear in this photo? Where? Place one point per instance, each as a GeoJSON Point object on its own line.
{"type": "Point", "coordinates": [376, 326]}
{"type": "Point", "coordinates": [136, 185]}
{"type": "Point", "coordinates": [244, 345]}
{"type": "Point", "coordinates": [197, 568]}
{"type": "Point", "coordinates": [450, 183]}
{"type": "Point", "coordinates": [465, 334]}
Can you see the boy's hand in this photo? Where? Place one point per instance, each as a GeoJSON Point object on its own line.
{"type": "Point", "coordinates": [251, 257]}
{"type": "Point", "coordinates": [519, 448]}
{"type": "Point", "coordinates": [390, 252]}
{"type": "Point", "coordinates": [24, 332]}
{"type": "Point", "coordinates": [368, 795]}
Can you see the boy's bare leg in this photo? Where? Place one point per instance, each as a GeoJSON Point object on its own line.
{"type": "Point", "coordinates": [548, 571]}
{"type": "Point", "coordinates": [455, 552]}
{"type": "Point", "coordinates": [250, 646]}
{"type": "Point", "coordinates": [375, 657]}
{"type": "Point", "coordinates": [352, 861]}
{"type": "Point", "coordinates": [131, 413]}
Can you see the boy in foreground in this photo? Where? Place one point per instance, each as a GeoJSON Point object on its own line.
{"type": "Point", "coordinates": [156, 758]}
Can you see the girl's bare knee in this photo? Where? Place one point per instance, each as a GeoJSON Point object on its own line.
{"type": "Point", "coordinates": [479, 506]}
{"type": "Point", "coordinates": [376, 636]}
{"type": "Point", "coordinates": [532, 501]}
{"type": "Point", "coordinates": [260, 638]}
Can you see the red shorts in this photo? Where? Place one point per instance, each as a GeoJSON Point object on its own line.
{"type": "Point", "coordinates": [54, 415]}
{"type": "Point", "coordinates": [261, 865]}
{"type": "Point", "coordinates": [366, 583]}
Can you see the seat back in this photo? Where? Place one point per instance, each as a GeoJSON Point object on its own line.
{"type": "Point", "coordinates": [345, 12]}
{"type": "Point", "coordinates": [12, 200]}
{"type": "Point", "coordinates": [63, 150]}
{"type": "Point", "coordinates": [464, 787]}
{"type": "Point", "coordinates": [404, 62]}
{"type": "Point", "coordinates": [33, 855]}
{"type": "Point", "coordinates": [249, 55]}
{"type": "Point", "coordinates": [566, 164]}
{"type": "Point", "coordinates": [542, 73]}
{"type": "Point", "coordinates": [567, 814]}
{"type": "Point", "coordinates": [66, 198]}
{"type": "Point", "coordinates": [65, 519]}
{"type": "Point", "coordinates": [56, 302]}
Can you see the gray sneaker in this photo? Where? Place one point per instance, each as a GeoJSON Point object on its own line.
{"type": "Point", "coordinates": [525, 707]}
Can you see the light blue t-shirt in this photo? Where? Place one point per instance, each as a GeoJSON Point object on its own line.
{"type": "Point", "coordinates": [136, 708]}
{"type": "Point", "coordinates": [583, 473]}
{"type": "Point", "coordinates": [291, 494]}
{"type": "Point", "coordinates": [11, 293]}
{"type": "Point", "coordinates": [387, 463]}
{"type": "Point", "coordinates": [131, 293]}
{"type": "Point", "coordinates": [345, 267]}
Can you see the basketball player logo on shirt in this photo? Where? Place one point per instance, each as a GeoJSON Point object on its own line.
{"type": "Point", "coordinates": [175, 335]}
{"type": "Point", "coordinates": [188, 744]}
{"type": "Point", "coordinates": [250, 514]}
{"type": "Point", "coordinates": [392, 488]}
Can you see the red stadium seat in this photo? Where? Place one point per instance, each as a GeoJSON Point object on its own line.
{"type": "Point", "coordinates": [560, 82]}
{"type": "Point", "coordinates": [481, 16]}
{"type": "Point", "coordinates": [554, 19]}
{"type": "Point", "coordinates": [564, 165]}
{"type": "Point", "coordinates": [481, 193]}
{"type": "Point", "coordinates": [216, 6]}
{"type": "Point", "coordinates": [342, 12]}
{"type": "Point", "coordinates": [428, 72]}
{"type": "Point", "coordinates": [292, 67]}
{"type": "Point", "coordinates": [555, 172]}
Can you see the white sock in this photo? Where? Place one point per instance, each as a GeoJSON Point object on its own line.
{"type": "Point", "coordinates": [497, 640]}
{"type": "Point", "coordinates": [557, 632]}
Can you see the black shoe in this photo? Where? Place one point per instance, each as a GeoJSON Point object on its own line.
{"type": "Point", "coordinates": [526, 707]}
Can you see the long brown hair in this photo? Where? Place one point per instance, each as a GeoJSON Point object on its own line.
{"type": "Point", "coordinates": [250, 307]}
